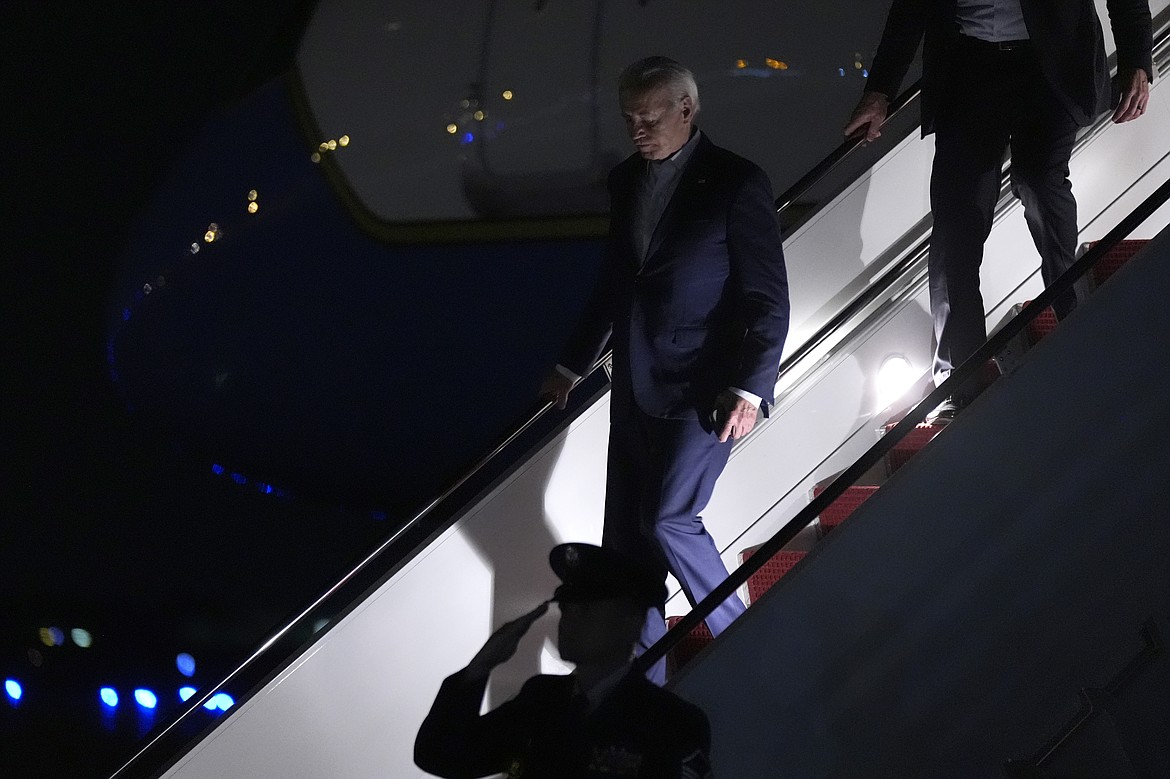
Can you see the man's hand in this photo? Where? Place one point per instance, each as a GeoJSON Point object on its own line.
{"type": "Point", "coordinates": [1135, 94]}
{"type": "Point", "coordinates": [502, 644]}
{"type": "Point", "coordinates": [555, 388]}
{"type": "Point", "coordinates": [869, 115]}
{"type": "Point", "coordinates": [736, 415]}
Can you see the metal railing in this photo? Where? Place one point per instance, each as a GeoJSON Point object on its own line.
{"type": "Point", "coordinates": [959, 378]}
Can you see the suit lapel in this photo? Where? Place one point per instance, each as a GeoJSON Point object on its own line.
{"type": "Point", "coordinates": [692, 177]}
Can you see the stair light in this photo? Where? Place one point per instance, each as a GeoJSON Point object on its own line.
{"type": "Point", "coordinates": [894, 377]}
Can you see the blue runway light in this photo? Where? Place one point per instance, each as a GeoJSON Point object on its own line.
{"type": "Point", "coordinates": [13, 688]}
{"type": "Point", "coordinates": [216, 469]}
{"type": "Point", "coordinates": [185, 693]}
{"type": "Point", "coordinates": [239, 478]}
{"type": "Point", "coordinates": [185, 663]}
{"type": "Point", "coordinates": [109, 696]}
{"type": "Point", "coordinates": [840, 71]}
{"type": "Point", "coordinates": [468, 138]}
{"type": "Point", "coordinates": [221, 701]}
{"type": "Point", "coordinates": [865, 72]}
{"type": "Point", "coordinates": [145, 698]}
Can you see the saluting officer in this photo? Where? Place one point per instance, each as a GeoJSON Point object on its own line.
{"type": "Point", "coordinates": [602, 720]}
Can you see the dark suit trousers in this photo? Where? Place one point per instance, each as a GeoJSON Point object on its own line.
{"type": "Point", "coordinates": [661, 473]}
{"type": "Point", "coordinates": [992, 101]}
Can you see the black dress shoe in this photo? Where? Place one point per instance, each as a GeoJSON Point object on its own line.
{"type": "Point", "coordinates": [946, 411]}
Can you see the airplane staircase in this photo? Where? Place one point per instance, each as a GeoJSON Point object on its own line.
{"type": "Point", "coordinates": [341, 689]}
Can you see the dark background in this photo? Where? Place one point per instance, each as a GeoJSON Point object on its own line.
{"type": "Point", "coordinates": [261, 434]}
{"type": "Point", "coordinates": [106, 524]}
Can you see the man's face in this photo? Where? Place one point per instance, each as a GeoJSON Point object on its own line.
{"type": "Point", "coordinates": [658, 122]}
{"type": "Point", "coordinates": [598, 630]}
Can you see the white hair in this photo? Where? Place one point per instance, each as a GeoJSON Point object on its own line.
{"type": "Point", "coordinates": [652, 73]}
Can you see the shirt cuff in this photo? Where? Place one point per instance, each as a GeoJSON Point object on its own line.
{"type": "Point", "coordinates": [755, 400]}
{"type": "Point", "coordinates": [568, 374]}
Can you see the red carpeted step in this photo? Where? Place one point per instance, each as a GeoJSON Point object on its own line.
{"type": "Point", "coordinates": [684, 650]}
{"type": "Point", "coordinates": [1115, 258]}
{"type": "Point", "coordinates": [910, 445]}
{"type": "Point", "coordinates": [843, 506]}
{"type": "Point", "coordinates": [1042, 325]}
{"type": "Point", "coordinates": [989, 374]}
{"type": "Point", "coordinates": [770, 572]}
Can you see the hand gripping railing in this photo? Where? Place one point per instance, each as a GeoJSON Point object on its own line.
{"type": "Point", "coordinates": [835, 158]}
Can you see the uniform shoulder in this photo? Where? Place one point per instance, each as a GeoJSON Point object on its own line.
{"type": "Point", "coordinates": [544, 687]}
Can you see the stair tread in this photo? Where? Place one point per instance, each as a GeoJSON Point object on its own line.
{"type": "Point", "coordinates": [912, 443]}
{"type": "Point", "coordinates": [845, 504]}
{"type": "Point", "coordinates": [691, 644]}
{"type": "Point", "coordinates": [1118, 255]}
{"type": "Point", "coordinates": [1043, 324]}
{"type": "Point", "coordinates": [770, 572]}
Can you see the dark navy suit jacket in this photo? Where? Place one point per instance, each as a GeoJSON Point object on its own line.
{"type": "Point", "coordinates": [708, 309]}
{"type": "Point", "coordinates": [1066, 35]}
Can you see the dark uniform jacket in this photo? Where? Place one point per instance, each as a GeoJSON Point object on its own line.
{"type": "Point", "coordinates": [707, 309]}
{"type": "Point", "coordinates": [1066, 35]}
{"type": "Point", "coordinates": [639, 730]}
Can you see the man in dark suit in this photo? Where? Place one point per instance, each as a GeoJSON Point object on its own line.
{"type": "Point", "coordinates": [693, 298]}
{"type": "Point", "coordinates": [1000, 74]}
{"type": "Point", "coordinates": [600, 721]}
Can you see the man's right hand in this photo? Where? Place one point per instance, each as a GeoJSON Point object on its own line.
{"type": "Point", "coordinates": [869, 115]}
{"type": "Point", "coordinates": [555, 388]}
{"type": "Point", "coordinates": [502, 644]}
